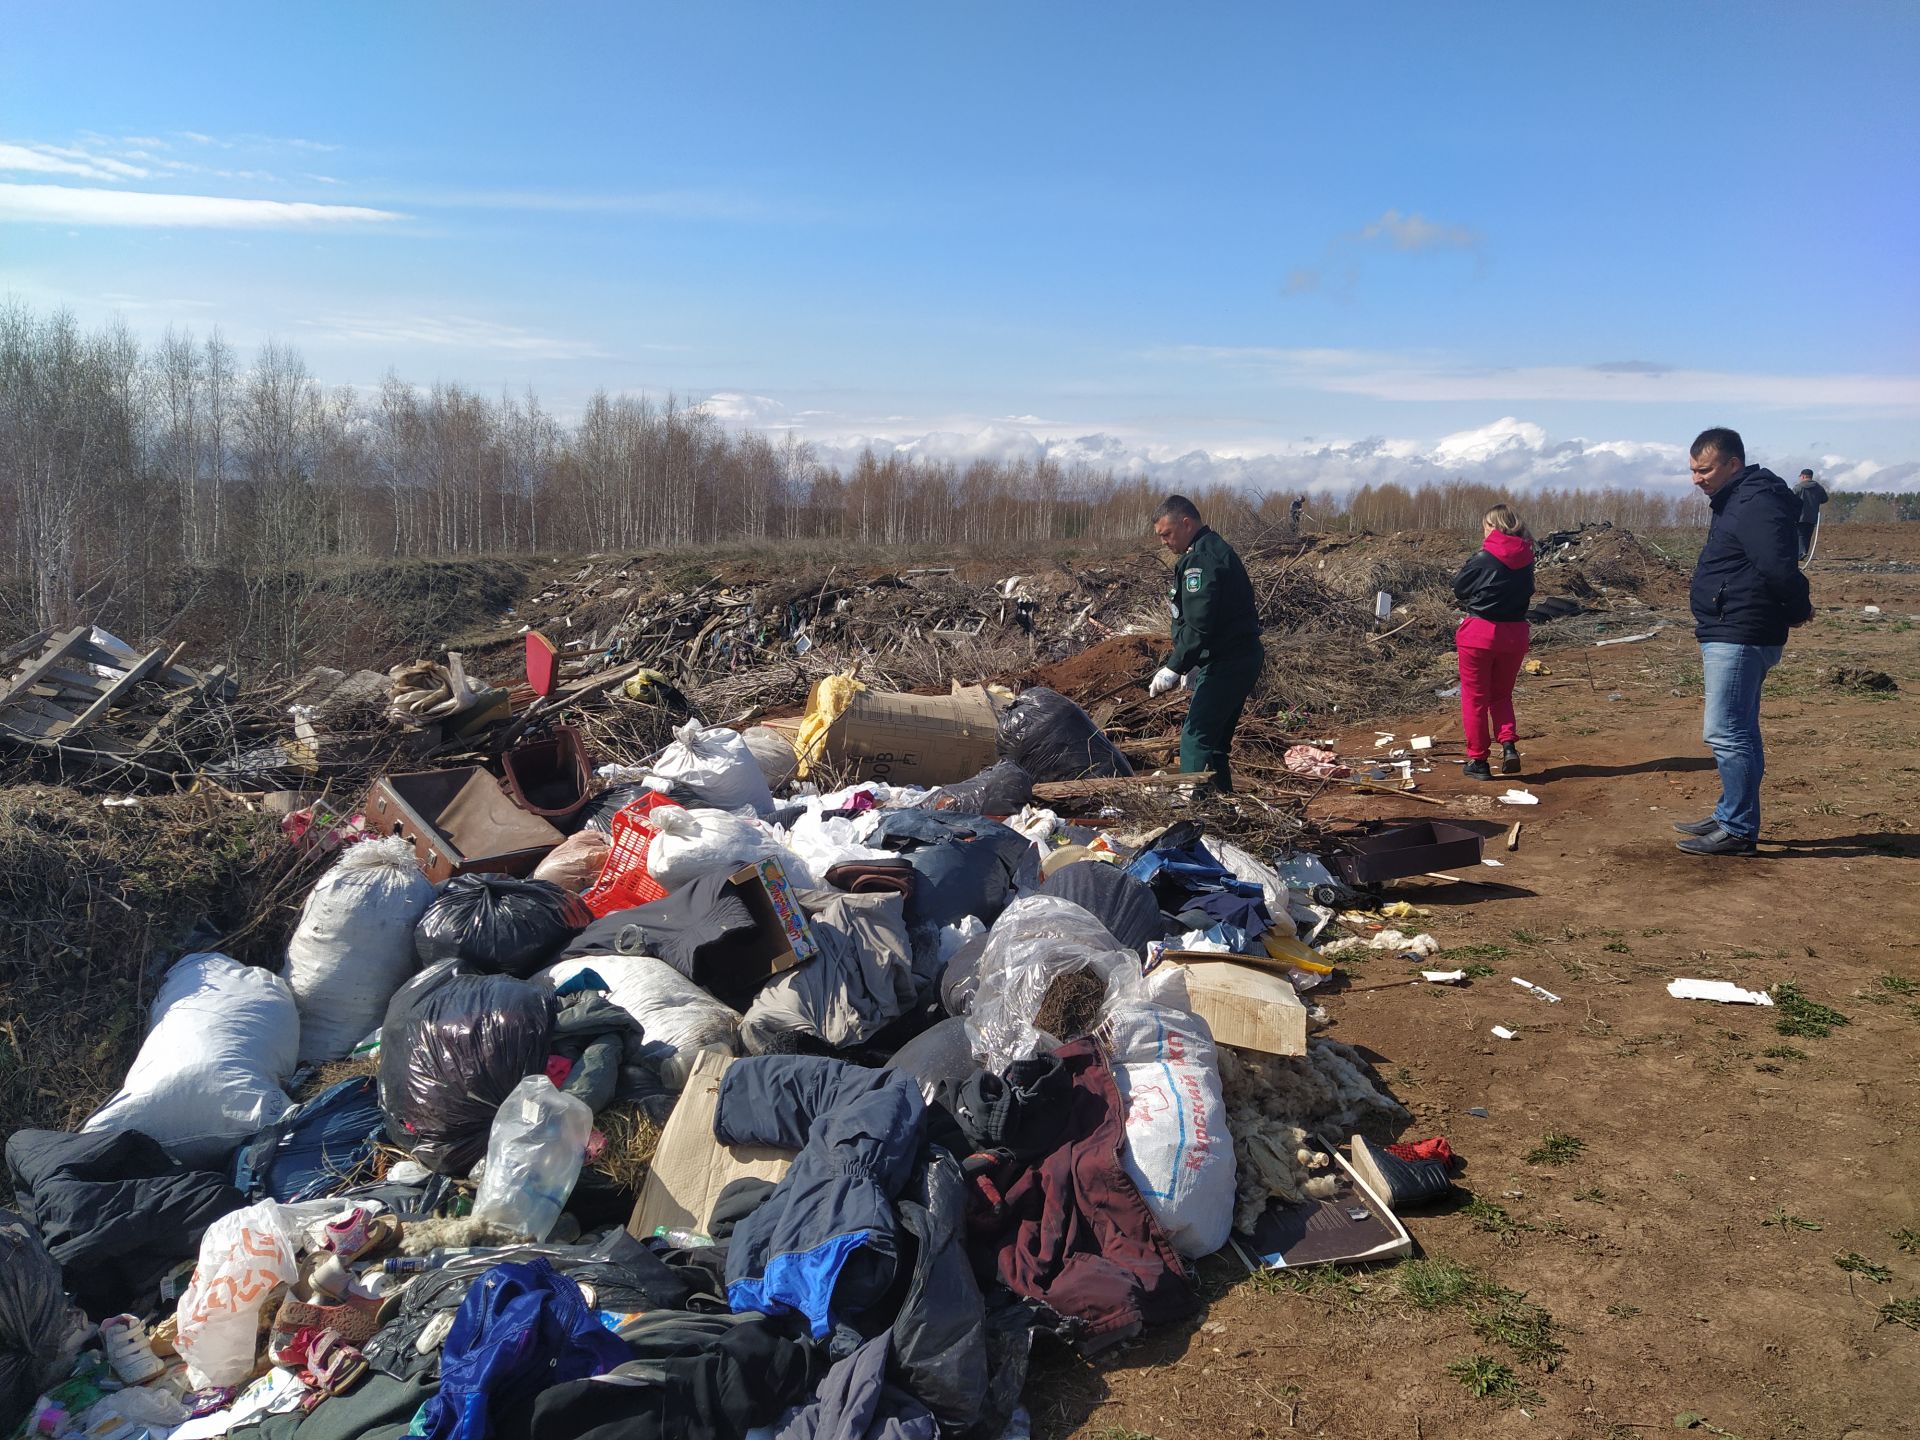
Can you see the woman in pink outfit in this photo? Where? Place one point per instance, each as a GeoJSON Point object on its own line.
{"type": "Point", "coordinates": [1494, 588]}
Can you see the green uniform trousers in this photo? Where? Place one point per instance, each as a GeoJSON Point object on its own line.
{"type": "Point", "coordinates": [1220, 690]}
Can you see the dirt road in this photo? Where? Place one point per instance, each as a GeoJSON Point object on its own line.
{"type": "Point", "coordinates": [1692, 1250]}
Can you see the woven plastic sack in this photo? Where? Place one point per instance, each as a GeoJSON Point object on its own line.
{"type": "Point", "coordinates": [714, 765]}
{"type": "Point", "coordinates": [624, 879]}
{"type": "Point", "coordinates": [244, 1257]}
{"type": "Point", "coordinates": [353, 946]}
{"type": "Point", "coordinates": [223, 1038]}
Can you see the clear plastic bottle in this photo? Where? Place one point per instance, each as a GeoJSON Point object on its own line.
{"type": "Point", "coordinates": [534, 1153]}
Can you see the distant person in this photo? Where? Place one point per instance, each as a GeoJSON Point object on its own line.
{"type": "Point", "coordinates": [1293, 514]}
{"type": "Point", "coordinates": [1494, 588]}
{"type": "Point", "coordinates": [1216, 638]}
{"type": "Point", "coordinates": [1747, 592]}
{"type": "Point", "coordinates": [1812, 496]}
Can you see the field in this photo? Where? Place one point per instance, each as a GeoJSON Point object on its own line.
{"type": "Point", "coordinates": [1724, 1235]}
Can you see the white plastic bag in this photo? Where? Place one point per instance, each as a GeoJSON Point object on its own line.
{"type": "Point", "coordinates": [353, 946]}
{"type": "Point", "coordinates": [714, 765]}
{"type": "Point", "coordinates": [778, 761]}
{"type": "Point", "coordinates": [677, 1017]}
{"type": "Point", "coordinates": [820, 841]}
{"type": "Point", "coordinates": [244, 1257]}
{"type": "Point", "coordinates": [1178, 1149]}
{"type": "Point", "coordinates": [689, 843]}
{"type": "Point", "coordinates": [534, 1154]}
{"type": "Point", "coordinates": [223, 1038]}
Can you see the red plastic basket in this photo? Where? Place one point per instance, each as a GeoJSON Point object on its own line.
{"type": "Point", "coordinates": [624, 881]}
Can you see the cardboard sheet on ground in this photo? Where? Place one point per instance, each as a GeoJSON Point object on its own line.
{"type": "Point", "coordinates": [1353, 1227]}
{"type": "Point", "coordinates": [1251, 1008]}
{"type": "Point", "coordinates": [690, 1168]}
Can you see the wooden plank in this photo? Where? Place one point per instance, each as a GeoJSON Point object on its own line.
{"type": "Point", "coordinates": [55, 652]}
{"type": "Point", "coordinates": [115, 691]}
{"type": "Point", "coordinates": [177, 707]}
{"type": "Point", "coordinates": [15, 653]}
{"type": "Point", "coordinates": [1074, 789]}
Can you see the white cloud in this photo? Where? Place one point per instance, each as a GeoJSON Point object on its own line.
{"type": "Point", "coordinates": [1416, 232]}
{"type": "Point", "coordinates": [1404, 378]}
{"type": "Point", "coordinates": [453, 332]}
{"type": "Point", "coordinates": [65, 160]}
{"type": "Point", "coordinates": [83, 205]}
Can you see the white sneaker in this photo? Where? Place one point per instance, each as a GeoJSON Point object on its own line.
{"type": "Point", "coordinates": [128, 1352]}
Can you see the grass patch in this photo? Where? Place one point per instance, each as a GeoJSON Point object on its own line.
{"type": "Point", "coordinates": [1528, 937]}
{"type": "Point", "coordinates": [1555, 1148]}
{"type": "Point", "coordinates": [1487, 1379]}
{"type": "Point", "coordinates": [1458, 953]}
{"type": "Point", "coordinates": [1492, 1218]}
{"type": "Point", "coordinates": [1901, 1312]}
{"type": "Point", "coordinates": [1524, 1328]}
{"type": "Point", "coordinates": [1618, 947]}
{"type": "Point", "coordinates": [1782, 1220]}
{"type": "Point", "coordinates": [1856, 1264]}
{"type": "Point", "coordinates": [1624, 1312]}
{"type": "Point", "coordinates": [1783, 1052]}
{"type": "Point", "coordinates": [1908, 1241]}
{"type": "Point", "coordinates": [1326, 1283]}
{"type": "Point", "coordinates": [1801, 1017]}
{"type": "Point", "coordinates": [1898, 984]}
{"type": "Point", "coordinates": [1431, 1283]}
{"type": "Point", "coordinates": [1120, 1432]}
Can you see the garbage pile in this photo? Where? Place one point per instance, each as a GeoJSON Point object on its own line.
{"type": "Point", "coordinates": [934, 1075]}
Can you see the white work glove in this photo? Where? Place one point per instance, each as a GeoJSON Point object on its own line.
{"type": "Point", "coordinates": [1163, 681]}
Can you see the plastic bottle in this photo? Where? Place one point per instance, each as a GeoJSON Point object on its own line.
{"type": "Point", "coordinates": [534, 1153]}
{"type": "Point", "coordinates": [433, 1260]}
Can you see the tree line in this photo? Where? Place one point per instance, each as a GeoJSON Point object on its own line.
{"type": "Point", "coordinates": [122, 464]}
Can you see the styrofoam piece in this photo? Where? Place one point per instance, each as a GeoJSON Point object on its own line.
{"type": "Point", "coordinates": [1443, 977]}
{"type": "Point", "coordinates": [1421, 742]}
{"type": "Point", "coordinates": [1500, 1032]}
{"type": "Point", "coordinates": [1518, 796]}
{"type": "Point", "coordinates": [1724, 991]}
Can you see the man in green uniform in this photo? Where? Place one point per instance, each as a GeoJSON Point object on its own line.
{"type": "Point", "coordinates": [1216, 637]}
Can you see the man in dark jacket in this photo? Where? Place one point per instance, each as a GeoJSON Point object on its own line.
{"type": "Point", "coordinates": [1811, 495]}
{"type": "Point", "coordinates": [1216, 637]}
{"type": "Point", "coordinates": [1747, 592]}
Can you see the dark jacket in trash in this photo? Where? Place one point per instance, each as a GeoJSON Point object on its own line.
{"type": "Point", "coordinates": [1748, 588]}
{"type": "Point", "coordinates": [1497, 582]}
{"type": "Point", "coordinates": [1069, 1229]}
{"type": "Point", "coordinates": [865, 1232]}
{"type": "Point", "coordinates": [114, 1209]}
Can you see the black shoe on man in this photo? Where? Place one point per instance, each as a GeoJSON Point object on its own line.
{"type": "Point", "coordinates": [1398, 1182]}
{"type": "Point", "coordinates": [1697, 827]}
{"type": "Point", "coordinates": [1477, 770]}
{"type": "Point", "coordinates": [1718, 843]}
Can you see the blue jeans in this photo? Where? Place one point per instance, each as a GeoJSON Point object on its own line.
{"type": "Point", "coordinates": [1734, 674]}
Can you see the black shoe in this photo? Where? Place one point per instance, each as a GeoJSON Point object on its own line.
{"type": "Point", "coordinates": [1477, 770]}
{"type": "Point", "coordinates": [1697, 827]}
{"type": "Point", "coordinates": [1509, 758]}
{"type": "Point", "coordinates": [1718, 843]}
{"type": "Point", "coordinates": [1398, 1182]}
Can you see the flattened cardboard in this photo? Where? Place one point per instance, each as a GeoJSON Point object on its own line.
{"type": "Point", "coordinates": [690, 1168]}
{"type": "Point", "coordinates": [1354, 1227]}
{"type": "Point", "coordinates": [915, 739]}
{"type": "Point", "coordinates": [1244, 1006]}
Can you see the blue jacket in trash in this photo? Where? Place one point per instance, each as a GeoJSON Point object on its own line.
{"type": "Point", "coordinates": [1748, 587]}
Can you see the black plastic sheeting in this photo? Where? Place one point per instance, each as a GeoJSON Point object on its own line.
{"type": "Point", "coordinates": [497, 923]}
{"type": "Point", "coordinates": [1054, 739]}
{"type": "Point", "coordinates": [1000, 789]}
{"type": "Point", "coordinates": [36, 1323]}
{"type": "Point", "coordinates": [453, 1047]}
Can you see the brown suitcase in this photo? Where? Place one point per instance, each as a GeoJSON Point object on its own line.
{"type": "Point", "coordinates": [460, 822]}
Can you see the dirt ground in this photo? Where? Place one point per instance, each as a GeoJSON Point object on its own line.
{"type": "Point", "coordinates": [1688, 1251]}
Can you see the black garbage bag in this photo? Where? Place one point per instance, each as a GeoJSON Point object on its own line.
{"type": "Point", "coordinates": [453, 1047]}
{"type": "Point", "coordinates": [601, 809]}
{"type": "Point", "coordinates": [498, 923]}
{"type": "Point", "coordinates": [1054, 739]}
{"type": "Point", "coordinates": [40, 1332]}
{"type": "Point", "coordinates": [1000, 789]}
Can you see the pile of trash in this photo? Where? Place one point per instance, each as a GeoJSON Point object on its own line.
{"type": "Point", "coordinates": [938, 1075]}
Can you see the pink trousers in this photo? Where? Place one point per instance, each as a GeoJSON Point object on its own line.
{"type": "Point", "coordinates": [1490, 652]}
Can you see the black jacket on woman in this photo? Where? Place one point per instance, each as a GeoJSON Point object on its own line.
{"type": "Point", "coordinates": [1497, 583]}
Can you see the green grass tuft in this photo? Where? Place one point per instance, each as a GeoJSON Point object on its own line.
{"type": "Point", "coordinates": [1901, 1312]}
{"type": "Point", "coordinates": [1908, 1241]}
{"type": "Point", "coordinates": [1800, 1016]}
{"type": "Point", "coordinates": [1555, 1148]}
{"type": "Point", "coordinates": [1899, 984]}
{"type": "Point", "coordinates": [1492, 1218]}
{"type": "Point", "coordinates": [1487, 1379]}
{"type": "Point", "coordinates": [1784, 1221]}
{"type": "Point", "coordinates": [1856, 1264]}
{"type": "Point", "coordinates": [1524, 1328]}
{"type": "Point", "coordinates": [1431, 1283]}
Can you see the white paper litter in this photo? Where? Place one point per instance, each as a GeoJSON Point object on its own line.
{"type": "Point", "coordinates": [1500, 1032]}
{"type": "Point", "coordinates": [1519, 797]}
{"type": "Point", "coordinates": [1443, 977]}
{"type": "Point", "coordinates": [1489, 860]}
{"type": "Point", "coordinates": [1541, 991]}
{"type": "Point", "coordinates": [1725, 991]}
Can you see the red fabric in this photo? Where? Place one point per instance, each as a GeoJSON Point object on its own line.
{"type": "Point", "coordinates": [1434, 1149]}
{"type": "Point", "coordinates": [1071, 1230]}
{"type": "Point", "coordinates": [558, 1069]}
{"type": "Point", "coordinates": [1513, 551]}
{"type": "Point", "coordinates": [1489, 652]}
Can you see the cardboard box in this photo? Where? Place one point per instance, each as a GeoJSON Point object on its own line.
{"type": "Point", "coordinates": [460, 822]}
{"type": "Point", "coordinates": [690, 1168]}
{"type": "Point", "coordinates": [782, 936]}
{"type": "Point", "coordinates": [1246, 1007]}
{"type": "Point", "coordinates": [914, 739]}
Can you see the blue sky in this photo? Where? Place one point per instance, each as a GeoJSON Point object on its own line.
{"type": "Point", "coordinates": [1269, 242]}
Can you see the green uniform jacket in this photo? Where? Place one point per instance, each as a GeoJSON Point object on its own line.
{"type": "Point", "coordinates": [1212, 602]}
